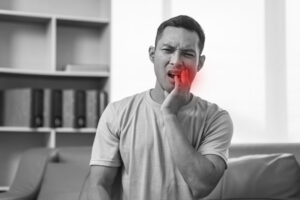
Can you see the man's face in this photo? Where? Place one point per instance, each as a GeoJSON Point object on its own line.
{"type": "Point", "coordinates": [176, 51]}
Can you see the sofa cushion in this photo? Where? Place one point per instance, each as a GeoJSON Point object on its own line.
{"type": "Point", "coordinates": [30, 173]}
{"type": "Point", "coordinates": [275, 176]}
{"type": "Point", "coordinates": [63, 181]}
{"type": "Point", "coordinates": [266, 176]}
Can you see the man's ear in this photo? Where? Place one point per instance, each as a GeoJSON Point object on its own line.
{"type": "Point", "coordinates": [201, 62]}
{"type": "Point", "coordinates": [151, 53]}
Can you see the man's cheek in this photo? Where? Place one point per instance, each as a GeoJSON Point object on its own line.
{"type": "Point", "coordinates": [187, 76]}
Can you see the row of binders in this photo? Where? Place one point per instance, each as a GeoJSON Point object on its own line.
{"type": "Point", "coordinates": [52, 107]}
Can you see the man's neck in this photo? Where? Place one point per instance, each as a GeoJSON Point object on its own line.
{"type": "Point", "coordinates": [157, 94]}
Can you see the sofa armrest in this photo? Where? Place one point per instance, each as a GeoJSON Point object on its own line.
{"type": "Point", "coordinates": [13, 196]}
{"type": "Point", "coordinates": [29, 175]}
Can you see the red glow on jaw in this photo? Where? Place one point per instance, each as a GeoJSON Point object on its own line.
{"type": "Point", "coordinates": [191, 78]}
{"type": "Point", "coordinates": [186, 76]}
{"type": "Point", "coordinates": [197, 82]}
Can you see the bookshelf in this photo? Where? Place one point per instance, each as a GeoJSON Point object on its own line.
{"type": "Point", "coordinates": [39, 39]}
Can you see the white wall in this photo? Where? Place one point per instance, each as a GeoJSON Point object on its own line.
{"type": "Point", "coordinates": [252, 67]}
{"type": "Point", "coordinates": [293, 69]}
{"type": "Point", "coordinates": [233, 75]}
{"type": "Point", "coordinates": [134, 24]}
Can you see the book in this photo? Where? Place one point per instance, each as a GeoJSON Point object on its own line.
{"type": "Point", "coordinates": [91, 108]}
{"type": "Point", "coordinates": [1, 107]}
{"type": "Point", "coordinates": [56, 108]}
{"type": "Point", "coordinates": [17, 107]}
{"type": "Point", "coordinates": [80, 109]}
{"type": "Point", "coordinates": [68, 107]}
{"type": "Point", "coordinates": [47, 107]}
{"type": "Point", "coordinates": [37, 106]}
{"type": "Point", "coordinates": [102, 102]}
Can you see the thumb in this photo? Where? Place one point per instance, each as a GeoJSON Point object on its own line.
{"type": "Point", "coordinates": [176, 78]}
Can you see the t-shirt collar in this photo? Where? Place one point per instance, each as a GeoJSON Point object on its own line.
{"type": "Point", "coordinates": [157, 105]}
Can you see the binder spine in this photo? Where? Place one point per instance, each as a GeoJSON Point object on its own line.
{"type": "Point", "coordinates": [37, 106]}
{"type": "Point", "coordinates": [1, 108]}
{"type": "Point", "coordinates": [56, 108]}
{"type": "Point", "coordinates": [80, 109]}
{"type": "Point", "coordinates": [102, 102]}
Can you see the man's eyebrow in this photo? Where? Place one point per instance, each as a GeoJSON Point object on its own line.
{"type": "Point", "coordinates": [168, 45]}
{"type": "Point", "coordinates": [184, 49]}
{"type": "Point", "coordinates": [188, 50]}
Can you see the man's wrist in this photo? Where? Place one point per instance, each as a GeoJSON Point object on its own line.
{"type": "Point", "coordinates": [168, 113]}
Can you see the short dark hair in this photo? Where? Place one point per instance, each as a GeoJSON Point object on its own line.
{"type": "Point", "coordinates": [186, 22]}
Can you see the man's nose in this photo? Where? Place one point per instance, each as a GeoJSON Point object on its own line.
{"type": "Point", "coordinates": [175, 59]}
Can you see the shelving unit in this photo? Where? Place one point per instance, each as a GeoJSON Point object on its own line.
{"type": "Point", "coordinates": [38, 39]}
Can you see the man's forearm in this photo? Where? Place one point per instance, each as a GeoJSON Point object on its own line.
{"type": "Point", "coordinates": [98, 193]}
{"type": "Point", "coordinates": [100, 181]}
{"type": "Point", "coordinates": [197, 170]}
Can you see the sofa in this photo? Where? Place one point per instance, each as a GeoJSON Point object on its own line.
{"type": "Point", "coordinates": [255, 171]}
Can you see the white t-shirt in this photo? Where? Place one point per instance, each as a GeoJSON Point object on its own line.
{"type": "Point", "coordinates": [130, 136]}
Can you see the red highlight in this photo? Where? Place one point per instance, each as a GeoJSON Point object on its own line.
{"type": "Point", "coordinates": [186, 76]}
{"type": "Point", "coordinates": [196, 84]}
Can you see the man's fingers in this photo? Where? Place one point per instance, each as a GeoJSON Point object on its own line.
{"type": "Point", "coordinates": [184, 77]}
{"type": "Point", "coordinates": [177, 81]}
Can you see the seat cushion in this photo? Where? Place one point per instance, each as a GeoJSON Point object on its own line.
{"type": "Point", "coordinates": [30, 173]}
{"type": "Point", "coordinates": [275, 176]}
{"type": "Point", "coordinates": [260, 177]}
{"type": "Point", "coordinates": [63, 181]}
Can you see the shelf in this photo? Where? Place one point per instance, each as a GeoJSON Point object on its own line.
{"type": "Point", "coordinates": [64, 19]}
{"type": "Point", "coordinates": [83, 21]}
{"type": "Point", "coordinates": [78, 44]}
{"type": "Point", "coordinates": [76, 130]}
{"type": "Point", "coordinates": [86, 8]}
{"type": "Point", "coordinates": [8, 129]}
{"type": "Point", "coordinates": [50, 44]}
{"type": "Point", "coordinates": [4, 188]}
{"type": "Point", "coordinates": [20, 78]}
{"type": "Point", "coordinates": [21, 37]}
{"type": "Point", "coordinates": [27, 72]}
{"type": "Point", "coordinates": [23, 16]}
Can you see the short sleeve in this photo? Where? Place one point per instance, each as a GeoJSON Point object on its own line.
{"type": "Point", "coordinates": [217, 137]}
{"type": "Point", "coordinates": [105, 149]}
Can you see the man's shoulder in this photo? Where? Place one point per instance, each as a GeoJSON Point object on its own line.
{"type": "Point", "coordinates": [209, 107]}
{"type": "Point", "coordinates": [128, 101]}
{"type": "Point", "coordinates": [214, 114]}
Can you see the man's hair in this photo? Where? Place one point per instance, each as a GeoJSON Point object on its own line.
{"type": "Point", "coordinates": [182, 21]}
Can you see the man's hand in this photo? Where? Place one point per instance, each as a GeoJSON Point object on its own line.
{"type": "Point", "coordinates": [180, 95]}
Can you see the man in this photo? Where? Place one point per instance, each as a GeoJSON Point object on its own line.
{"type": "Point", "coordinates": [167, 143]}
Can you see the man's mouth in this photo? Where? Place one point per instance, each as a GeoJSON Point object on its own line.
{"type": "Point", "coordinates": [172, 74]}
